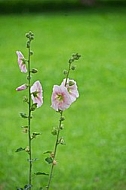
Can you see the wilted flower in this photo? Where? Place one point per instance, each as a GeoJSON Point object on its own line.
{"type": "Point", "coordinates": [36, 93]}
{"type": "Point", "coordinates": [21, 62]}
{"type": "Point", "coordinates": [22, 87]}
{"type": "Point", "coordinates": [60, 98]}
{"type": "Point", "coordinates": [72, 88]}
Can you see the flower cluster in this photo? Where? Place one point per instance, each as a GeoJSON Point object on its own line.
{"type": "Point", "coordinates": [36, 88]}
{"type": "Point", "coordinates": [64, 95]}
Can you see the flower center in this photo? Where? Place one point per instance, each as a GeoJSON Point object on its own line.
{"type": "Point", "coordinates": [35, 93]}
{"type": "Point", "coordinates": [59, 97]}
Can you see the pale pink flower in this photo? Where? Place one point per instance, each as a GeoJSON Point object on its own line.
{"type": "Point", "coordinates": [60, 98]}
{"type": "Point", "coordinates": [21, 62]}
{"type": "Point", "coordinates": [22, 87]}
{"type": "Point", "coordinates": [72, 88]}
{"type": "Point", "coordinates": [36, 93]}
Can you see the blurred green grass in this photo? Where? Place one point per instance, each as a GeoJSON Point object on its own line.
{"type": "Point", "coordinates": [94, 156]}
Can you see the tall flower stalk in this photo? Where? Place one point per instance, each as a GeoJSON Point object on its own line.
{"type": "Point", "coordinates": [62, 97]}
{"type": "Point", "coordinates": [30, 37]}
{"type": "Point", "coordinates": [34, 100]}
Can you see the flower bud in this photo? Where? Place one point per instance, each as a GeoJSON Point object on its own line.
{"type": "Point", "coordinates": [27, 149]}
{"type": "Point", "coordinates": [31, 52]}
{"type": "Point", "coordinates": [73, 67]}
{"type": "Point", "coordinates": [27, 35]}
{"type": "Point", "coordinates": [54, 162]}
{"type": "Point", "coordinates": [32, 37]}
{"type": "Point", "coordinates": [52, 154]}
{"type": "Point", "coordinates": [65, 72]}
{"type": "Point", "coordinates": [71, 60]}
{"type": "Point", "coordinates": [54, 131]}
{"type": "Point", "coordinates": [61, 141]}
{"type": "Point", "coordinates": [62, 118]}
{"type": "Point", "coordinates": [62, 126]}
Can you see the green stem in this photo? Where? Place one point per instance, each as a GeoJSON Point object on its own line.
{"type": "Point", "coordinates": [55, 150]}
{"type": "Point", "coordinates": [29, 121]}
{"type": "Point", "coordinates": [68, 72]}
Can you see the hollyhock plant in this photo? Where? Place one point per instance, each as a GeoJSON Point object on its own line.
{"type": "Point", "coordinates": [22, 87]}
{"type": "Point", "coordinates": [72, 88]}
{"type": "Point", "coordinates": [36, 93]}
{"type": "Point", "coordinates": [21, 62]}
{"type": "Point", "coordinates": [60, 98]}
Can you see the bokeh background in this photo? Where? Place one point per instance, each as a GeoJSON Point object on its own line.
{"type": "Point", "coordinates": [94, 157]}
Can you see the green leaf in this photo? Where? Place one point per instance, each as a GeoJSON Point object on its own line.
{"type": "Point", "coordinates": [34, 134]}
{"type": "Point", "coordinates": [19, 149]}
{"type": "Point", "coordinates": [41, 173]}
{"type": "Point", "coordinates": [23, 115]}
{"type": "Point", "coordinates": [48, 151]}
{"type": "Point", "coordinates": [49, 160]}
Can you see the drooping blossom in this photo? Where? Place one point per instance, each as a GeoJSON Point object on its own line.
{"type": "Point", "coordinates": [60, 98]}
{"type": "Point", "coordinates": [22, 87]}
{"type": "Point", "coordinates": [21, 62]}
{"type": "Point", "coordinates": [72, 88]}
{"type": "Point", "coordinates": [36, 93]}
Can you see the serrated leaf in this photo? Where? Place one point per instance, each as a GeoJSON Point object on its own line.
{"type": "Point", "coordinates": [49, 160]}
{"type": "Point", "coordinates": [41, 173]}
{"type": "Point", "coordinates": [19, 149]}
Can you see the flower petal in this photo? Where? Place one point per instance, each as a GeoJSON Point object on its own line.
{"type": "Point", "coordinates": [22, 87]}
{"type": "Point", "coordinates": [36, 93]}
{"type": "Point", "coordinates": [72, 88]}
{"type": "Point", "coordinates": [21, 62]}
{"type": "Point", "coordinates": [60, 98]}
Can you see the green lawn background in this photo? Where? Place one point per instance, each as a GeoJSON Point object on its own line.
{"type": "Point", "coordinates": [95, 127]}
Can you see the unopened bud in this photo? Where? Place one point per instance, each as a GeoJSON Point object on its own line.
{"type": "Point", "coordinates": [54, 131]}
{"type": "Point", "coordinates": [62, 126]}
{"type": "Point", "coordinates": [31, 52]}
{"type": "Point", "coordinates": [71, 60]}
{"type": "Point", "coordinates": [52, 154]}
{"type": "Point", "coordinates": [27, 149]}
{"type": "Point", "coordinates": [61, 141]}
{"type": "Point", "coordinates": [62, 118]}
{"type": "Point", "coordinates": [65, 72]}
{"type": "Point", "coordinates": [27, 35]}
{"type": "Point", "coordinates": [54, 162]}
{"type": "Point", "coordinates": [73, 67]}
